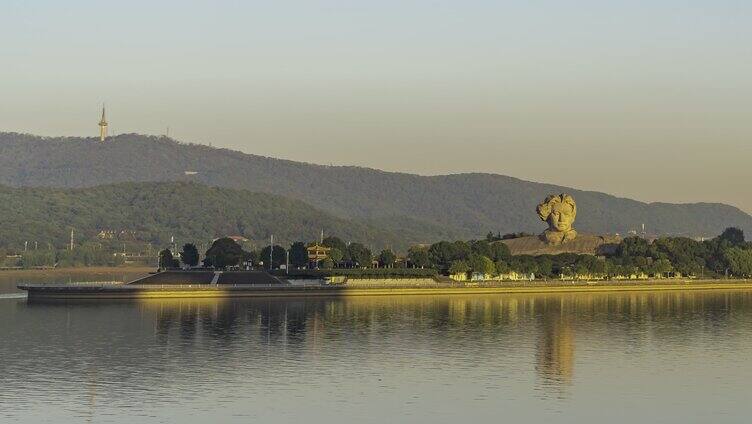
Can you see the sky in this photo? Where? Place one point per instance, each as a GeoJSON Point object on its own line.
{"type": "Point", "coordinates": [650, 100]}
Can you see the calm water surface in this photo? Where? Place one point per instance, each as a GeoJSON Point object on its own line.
{"type": "Point", "coordinates": [649, 357]}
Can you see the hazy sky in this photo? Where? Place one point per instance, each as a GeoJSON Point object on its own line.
{"type": "Point", "coordinates": [644, 99]}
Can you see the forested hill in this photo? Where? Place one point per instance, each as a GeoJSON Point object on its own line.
{"type": "Point", "coordinates": [469, 204]}
{"type": "Point", "coordinates": [191, 212]}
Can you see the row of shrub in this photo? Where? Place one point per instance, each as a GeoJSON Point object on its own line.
{"type": "Point", "coordinates": [726, 255]}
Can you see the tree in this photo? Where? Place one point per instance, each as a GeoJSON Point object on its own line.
{"type": "Point", "coordinates": [387, 258]}
{"type": "Point", "coordinates": [586, 265]}
{"type": "Point", "coordinates": [337, 243]}
{"type": "Point", "coordinates": [686, 255]}
{"type": "Point", "coordinates": [633, 246]}
{"type": "Point", "coordinates": [165, 259]}
{"type": "Point", "coordinates": [335, 255]}
{"type": "Point", "coordinates": [327, 263]}
{"type": "Point", "coordinates": [443, 253]}
{"type": "Point", "coordinates": [482, 264]}
{"type": "Point", "coordinates": [739, 261]}
{"type": "Point", "coordinates": [189, 254]}
{"type": "Point", "coordinates": [659, 267]}
{"type": "Point", "coordinates": [599, 267]}
{"type": "Point", "coordinates": [458, 267]}
{"type": "Point", "coordinates": [524, 264]}
{"type": "Point", "coordinates": [499, 251]}
{"type": "Point", "coordinates": [360, 255]}
{"type": "Point", "coordinates": [418, 257]}
{"type": "Point", "coordinates": [502, 267]}
{"type": "Point", "coordinates": [279, 257]}
{"type": "Point", "coordinates": [733, 236]}
{"type": "Point", "coordinates": [224, 252]}
{"type": "Point", "coordinates": [462, 250]}
{"type": "Point", "coordinates": [481, 247]}
{"type": "Point", "coordinates": [545, 266]}
{"type": "Point", "coordinates": [90, 254]}
{"type": "Point", "coordinates": [37, 258]}
{"type": "Point", "coordinates": [298, 254]}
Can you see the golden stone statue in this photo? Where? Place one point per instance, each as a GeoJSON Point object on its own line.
{"type": "Point", "coordinates": [559, 211]}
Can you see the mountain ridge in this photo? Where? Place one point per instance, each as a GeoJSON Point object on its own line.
{"type": "Point", "coordinates": [470, 204]}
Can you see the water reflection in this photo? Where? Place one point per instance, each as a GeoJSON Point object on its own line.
{"type": "Point", "coordinates": [90, 357]}
{"type": "Point", "coordinates": [555, 348]}
{"type": "Point", "coordinates": [555, 319]}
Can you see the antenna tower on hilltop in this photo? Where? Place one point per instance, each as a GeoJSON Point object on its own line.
{"type": "Point", "coordinates": [102, 127]}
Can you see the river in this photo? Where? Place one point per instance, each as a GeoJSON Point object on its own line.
{"type": "Point", "coordinates": [668, 357]}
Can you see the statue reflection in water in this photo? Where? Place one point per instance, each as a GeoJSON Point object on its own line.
{"type": "Point", "coordinates": [555, 344]}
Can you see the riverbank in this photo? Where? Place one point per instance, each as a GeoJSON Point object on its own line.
{"type": "Point", "coordinates": [115, 290]}
{"type": "Point", "coordinates": [10, 279]}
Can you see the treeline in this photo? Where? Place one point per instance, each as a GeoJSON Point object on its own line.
{"type": "Point", "coordinates": [727, 254]}
{"type": "Point", "coordinates": [81, 256]}
{"type": "Point", "coordinates": [225, 252]}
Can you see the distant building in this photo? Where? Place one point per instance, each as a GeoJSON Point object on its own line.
{"type": "Point", "coordinates": [109, 234]}
{"type": "Point", "coordinates": [106, 235]}
{"type": "Point", "coordinates": [317, 253]}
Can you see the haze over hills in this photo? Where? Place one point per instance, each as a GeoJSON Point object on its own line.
{"type": "Point", "coordinates": [462, 205]}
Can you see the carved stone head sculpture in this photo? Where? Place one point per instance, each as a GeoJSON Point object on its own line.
{"type": "Point", "coordinates": [559, 211]}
